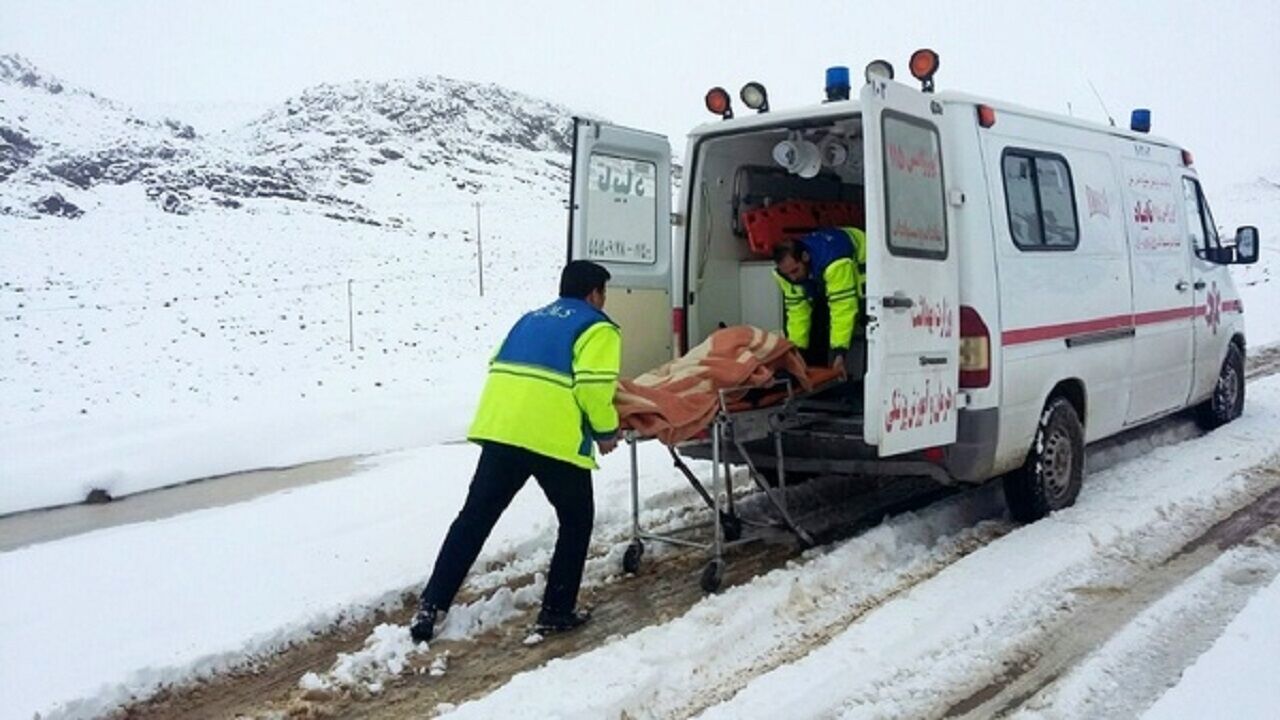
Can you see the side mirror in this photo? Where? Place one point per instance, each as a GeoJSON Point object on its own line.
{"type": "Point", "coordinates": [1246, 245]}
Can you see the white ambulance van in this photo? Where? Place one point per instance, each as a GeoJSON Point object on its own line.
{"type": "Point", "coordinates": [1033, 282]}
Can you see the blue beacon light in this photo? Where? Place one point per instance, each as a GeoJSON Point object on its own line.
{"type": "Point", "coordinates": [837, 83]}
{"type": "Point", "coordinates": [1140, 120]}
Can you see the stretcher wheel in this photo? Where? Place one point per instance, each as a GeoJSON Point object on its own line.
{"type": "Point", "coordinates": [731, 525]}
{"type": "Point", "coordinates": [712, 574]}
{"type": "Point", "coordinates": [631, 558]}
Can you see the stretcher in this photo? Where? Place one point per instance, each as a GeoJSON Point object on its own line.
{"type": "Point", "coordinates": [775, 410]}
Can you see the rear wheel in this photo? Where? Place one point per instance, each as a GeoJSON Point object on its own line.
{"type": "Point", "coordinates": [1054, 471]}
{"type": "Point", "coordinates": [1227, 401]}
{"type": "Point", "coordinates": [631, 558]}
{"type": "Point", "coordinates": [712, 576]}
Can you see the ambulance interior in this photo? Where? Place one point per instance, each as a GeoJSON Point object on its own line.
{"type": "Point", "coordinates": [750, 191]}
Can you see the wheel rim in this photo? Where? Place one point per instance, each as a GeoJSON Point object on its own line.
{"type": "Point", "coordinates": [1227, 391]}
{"type": "Point", "coordinates": [1056, 464]}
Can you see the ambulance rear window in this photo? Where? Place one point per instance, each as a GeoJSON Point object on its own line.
{"type": "Point", "coordinates": [1040, 200]}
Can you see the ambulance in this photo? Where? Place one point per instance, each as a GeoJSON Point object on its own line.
{"type": "Point", "coordinates": [1034, 283]}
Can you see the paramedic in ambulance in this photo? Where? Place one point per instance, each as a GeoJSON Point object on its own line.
{"type": "Point", "coordinates": [828, 264]}
{"type": "Point", "coordinates": [548, 398]}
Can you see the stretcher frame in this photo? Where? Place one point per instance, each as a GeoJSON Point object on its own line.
{"type": "Point", "coordinates": [730, 427]}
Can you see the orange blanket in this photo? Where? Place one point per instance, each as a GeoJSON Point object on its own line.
{"type": "Point", "coordinates": [679, 399]}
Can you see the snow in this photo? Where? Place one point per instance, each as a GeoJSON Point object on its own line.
{"type": "Point", "coordinates": [1255, 203]}
{"type": "Point", "coordinates": [1236, 677]}
{"type": "Point", "coordinates": [385, 654]}
{"type": "Point", "coordinates": [159, 355]}
{"type": "Point", "coordinates": [143, 348]}
{"type": "Point", "coordinates": [1137, 665]}
{"type": "Point", "coordinates": [89, 621]}
{"type": "Point", "coordinates": [937, 641]}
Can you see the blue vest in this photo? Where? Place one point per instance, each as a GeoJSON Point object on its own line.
{"type": "Point", "coordinates": [544, 338]}
{"type": "Point", "coordinates": [824, 247]}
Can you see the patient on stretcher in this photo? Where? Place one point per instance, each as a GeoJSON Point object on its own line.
{"type": "Point", "coordinates": [678, 400]}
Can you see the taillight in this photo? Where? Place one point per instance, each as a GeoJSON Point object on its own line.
{"type": "Point", "coordinates": [677, 328]}
{"type": "Point", "coordinates": [975, 350]}
{"type": "Point", "coordinates": [986, 116]}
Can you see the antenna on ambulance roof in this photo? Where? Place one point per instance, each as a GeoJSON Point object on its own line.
{"type": "Point", "coordinates": [1104, 105]}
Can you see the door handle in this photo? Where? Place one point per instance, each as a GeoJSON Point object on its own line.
{"type": "Point", "coordinates": [1199, 285]}
{"type": "Point", "coordinates": [932, 360]}
{"type": "Point", "coordinates": [1183, 286]}
{"type": "Point", "coordinates": [897, 302]}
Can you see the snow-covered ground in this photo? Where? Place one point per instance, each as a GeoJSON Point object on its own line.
{"type": "Point", "coordinates": [150, 349]}
{"type": "Point", "coordinates": [144, 348]}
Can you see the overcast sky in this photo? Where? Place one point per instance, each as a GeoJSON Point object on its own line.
{"type": "Point", "coordinates": [1207, 69]}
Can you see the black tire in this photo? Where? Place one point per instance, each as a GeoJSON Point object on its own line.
{"type": "Point", "coordinates": [1054, 471]}
{"type": "Point", "coordinates": [1227, 402]}
{"type": "Point", "coordinates": [631, 558]}
{"type": "Point", "coordinates": [731, 525]}
{"type": "Point", "coordinates": [712, 575]}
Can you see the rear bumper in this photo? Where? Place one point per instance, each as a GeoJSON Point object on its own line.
{"type": "Point", "coordinates": [973, 455]}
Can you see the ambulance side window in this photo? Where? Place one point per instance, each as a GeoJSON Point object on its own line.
{"type": "Point", "coordinates": [1200, 227]}
{"type": "Point", "coordinates": [1040, 200]}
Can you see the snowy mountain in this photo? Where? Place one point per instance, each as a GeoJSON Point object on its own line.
{"type": "Point", "coordinates": [59, 142]}
{"type": "Point", "coordinates": [296, 287]}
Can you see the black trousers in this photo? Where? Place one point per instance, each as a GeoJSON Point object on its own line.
{"type": "Point", "coordinates": [501, 472]}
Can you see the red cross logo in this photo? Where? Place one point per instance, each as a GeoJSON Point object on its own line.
{"type": "Point", "coordinates": [1213, 308]}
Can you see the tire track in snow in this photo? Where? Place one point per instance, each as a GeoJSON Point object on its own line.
{"type": "Point", "coordinates": [1034, 684]}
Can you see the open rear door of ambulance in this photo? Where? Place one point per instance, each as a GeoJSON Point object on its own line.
{"type": "Point", "coordinates": [912, 279]}
{"type": "Point", "coordinates": [620, 217]}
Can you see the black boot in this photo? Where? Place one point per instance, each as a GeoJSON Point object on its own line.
{"type": "Point", "coordinates": [423, 627]}
{"type": "Point", "coordinates": [558, 622]}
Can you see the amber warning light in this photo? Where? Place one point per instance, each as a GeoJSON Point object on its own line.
{"type": "Point", "coordinates": [924, 64]}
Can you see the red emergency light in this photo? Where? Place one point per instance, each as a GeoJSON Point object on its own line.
{"type": "Point", "coordinates": [718, 102]}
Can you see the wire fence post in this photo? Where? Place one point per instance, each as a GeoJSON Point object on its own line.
{"type": "Point", "coordinates": [479, 250]}
{"type": "Point", "coordinates": [351, 327]}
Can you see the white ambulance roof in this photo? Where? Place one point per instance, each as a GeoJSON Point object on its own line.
{"type": "Point", "coordinates": [821, 111]}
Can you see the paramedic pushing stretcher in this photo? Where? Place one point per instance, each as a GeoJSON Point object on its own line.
{"type": "Point", "coordinates": [547, 400]}
{"type": "Point", "coordinates": [830, 265]}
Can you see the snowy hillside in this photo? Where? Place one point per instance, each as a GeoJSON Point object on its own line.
{"type": "Point", "coordinates": [176, 305]}
{"type": "Point", "coordinates": [1256, 203]}
{"type": "Point", "coordinates": [322, 147]}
